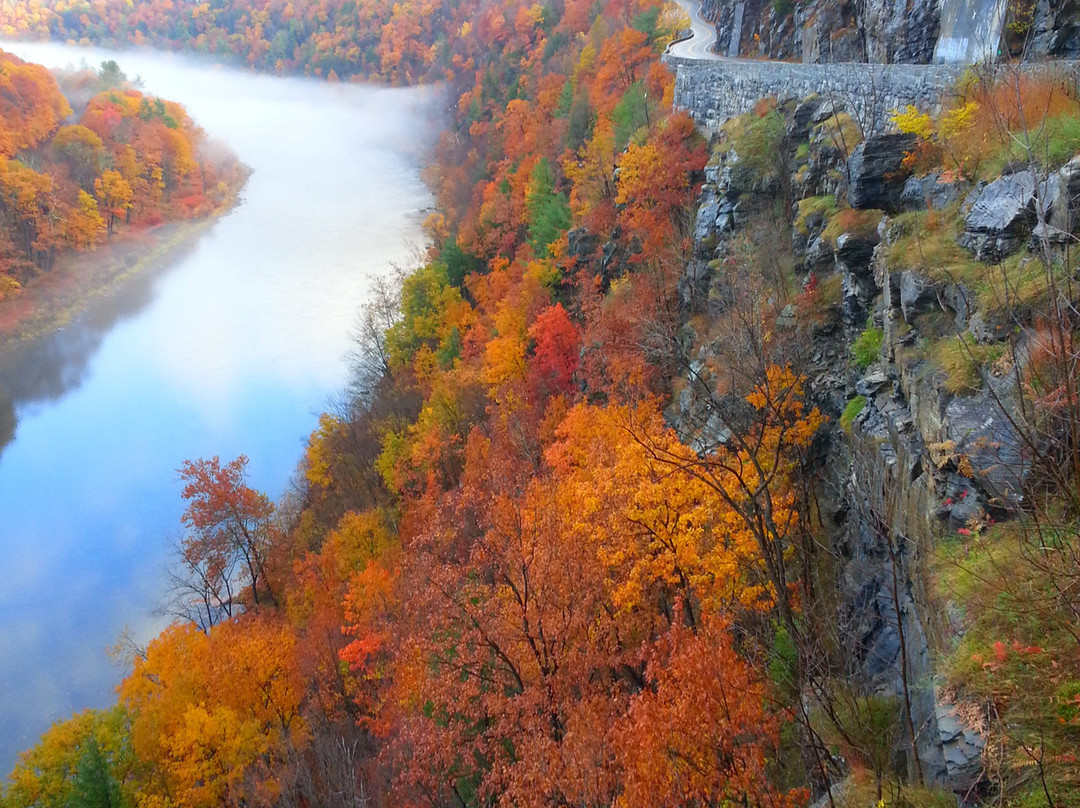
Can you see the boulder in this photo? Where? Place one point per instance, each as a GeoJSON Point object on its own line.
{"type": "Point", "coordinates": [1001, 217]}
{"type": "Point", "coordinates": [960, 300]}
{"type": "Point", "coordinates": [826, 110]}
{"type": "Point", "coordinates": [871, 383]}
{"type": "Point", "coordinates": [854, 252]}
{"type": "Point", "coordinates": [921, 193]}
{"type": "Point", "coordinates": [803, 116]}
{"type": "Point", "coordinates": [990, 326]}
{"type": "Point", "coordinates": [963, 502]}
{"type": "Point", "coordinates": [876, 175]}
{"type": "Point", "coordinates": [819, 256]}
{"type": "Point", "coordinates": [962, 748]}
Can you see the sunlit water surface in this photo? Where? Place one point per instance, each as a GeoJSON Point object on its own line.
{"type": "Point", "coordinates": [232, 347]}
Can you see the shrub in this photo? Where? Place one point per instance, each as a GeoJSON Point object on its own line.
{"type": "Point", "coordinates": [851, 412]}
{"type": "Point", "coordinates": [760, 145]}
{"type": "Point", "coordinates": [867, 347]}
{"type": "Point", "coordinates": [1018, 117]}
{"type": "Point", "coordinates": [910, 120]}
{"type": "Point", "coordinates": [783, 7]}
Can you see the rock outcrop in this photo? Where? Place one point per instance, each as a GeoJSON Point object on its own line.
{"type": "Point", "coordinates": [1055, 30]}
{"type": "Point", "coordinates": [876, 174]}
{"type": "Point", "coordinates": [894, 31]}
{"type": "Point", "coordinates": [1001, 217]}
{"type": "Point", "coordinates": [827, 32]}
{"type": "Point", "coordinates": [922, 457]}
{"type": "Point", "coordinates": [930, 192]}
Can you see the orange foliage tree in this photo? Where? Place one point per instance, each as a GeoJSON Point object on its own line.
{"type": "Point", "coordinates": [215, 714]}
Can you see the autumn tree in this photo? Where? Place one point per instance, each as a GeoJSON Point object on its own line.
{"type": "Point", "coordinates": [225, 552]}
{"type": "Point", "coordinates": [215, 713]}
{"type": "Point", "coordinates": [84, 226]}
{"type": "Point", "coordinates": [85, 761]}
{"type": "Point", "coordinates": [31, 105]}
{"type": "Point", "coordinates": [28, 202]}
{"type": "Point", "coordinates": [114, 195]}
{"type": "Point", "coordinates": [82, 151]}
{"type": "Point", "coordinates": [556, 351]}
{"type": "Point", "coordinates": [703, 734]}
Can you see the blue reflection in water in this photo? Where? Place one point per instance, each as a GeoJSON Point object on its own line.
{"type": "Point", "coordinates": [233, 348]}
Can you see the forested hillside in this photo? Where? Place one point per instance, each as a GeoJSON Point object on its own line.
{"type": "Point", "coordinates": [613, 513]}
{"type": "Point", "coordinates": [69, 180]}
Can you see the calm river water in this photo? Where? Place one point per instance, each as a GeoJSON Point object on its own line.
{"type": "Point", "coordinates": [234, 347]}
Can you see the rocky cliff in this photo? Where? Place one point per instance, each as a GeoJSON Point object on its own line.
{"type": "Point", "coordinates": [891, 31]}
{"type": "Point", "coordinates": [918, 450]}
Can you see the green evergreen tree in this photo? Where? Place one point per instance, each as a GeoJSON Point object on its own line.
{"type": "Point", "coordinates": [549, 212]}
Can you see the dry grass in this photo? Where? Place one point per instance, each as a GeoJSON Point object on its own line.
{"type": "Point", "coordinates": [858, 223]}
{"type": "Point", "coordinates": [961, 359]}
{"type": "Point", "coordinates": [841, 131]}
{"type": "Point", "coordinates": [925, 241]}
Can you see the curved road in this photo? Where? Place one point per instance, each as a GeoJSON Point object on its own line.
{"type": "Point", "coordinates": [700, 43]}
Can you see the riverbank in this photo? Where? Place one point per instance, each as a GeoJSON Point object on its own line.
{"type": "Point", "coordinates": [54, 299]}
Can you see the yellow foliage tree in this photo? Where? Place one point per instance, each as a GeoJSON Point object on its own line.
{"type": "Point", "coordinates": [208, 710]}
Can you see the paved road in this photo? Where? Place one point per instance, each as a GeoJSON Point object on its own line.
{"type": "Point", "coordinates": [704, 35]}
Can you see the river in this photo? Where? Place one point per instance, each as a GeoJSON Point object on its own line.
{"type": "Point", "coordinates": [234, 347]}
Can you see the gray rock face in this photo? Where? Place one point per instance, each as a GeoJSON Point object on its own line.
{"type": "Point", "coordinates": [901, 30]}
{"type": "Point", "coordinates": [962, 749]}
{"type": "Point", "coordinates": [1001, 217]}
{"type": "Point", "coordinates": [581, 243]}
{"type": "Point", "coordinates": [916, 290]}
{"type": "Point", "coordinates": [827, 31]}
{"type": "Point", "coordinates": [826, 34]}
{"type": "Point", "coordinates": [706, 216]}
{"type": "Point", "coordinates": [1056, 29]}
{"type": "Point", "coordinates": [891, 499]}
{"type": "Point", "coordinates": [876, 175]}
{"type": "Point", "coordinates": [717, 217]}
{"type": "Point", "coordinates": [1065, 204]}
{"type": "Point", "coordinates": [995, 450]}
{"type": "Point", "coordinates": [921, 193]}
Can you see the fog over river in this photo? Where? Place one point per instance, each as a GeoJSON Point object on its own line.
{"type": "Point", "coordinates": [234, 346]}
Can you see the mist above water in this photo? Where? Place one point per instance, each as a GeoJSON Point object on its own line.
{"type": "Point", "coordinates": [233, 347]}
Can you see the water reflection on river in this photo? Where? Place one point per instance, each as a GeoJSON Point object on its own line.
{"type": "Point", "coordinates": [233, 348]}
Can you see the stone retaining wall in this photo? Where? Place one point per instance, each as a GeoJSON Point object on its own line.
{"type": "Point", "coordinates": [716, 90]}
